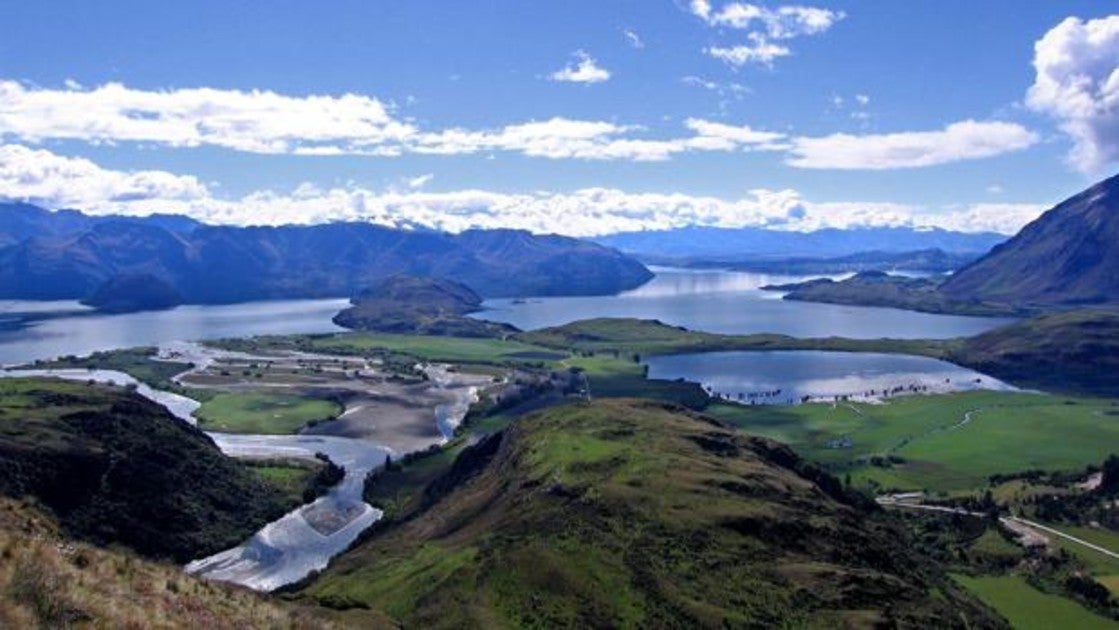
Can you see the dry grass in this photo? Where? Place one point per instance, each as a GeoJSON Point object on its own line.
{"type": "Point", "coordinates": [47, 582]}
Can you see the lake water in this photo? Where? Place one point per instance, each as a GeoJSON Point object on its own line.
{"type": "Point", "coordinates": [781, 377]}
{"type": "Point", "coordinates": [24, 338]}
{"type": "Point", "coordinates": [731, 302]}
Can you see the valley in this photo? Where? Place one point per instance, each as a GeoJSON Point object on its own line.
{"type": "Point", "coordinates": [905, 442]}
{"type": "Point", "coordinates": [503, 315]}
{"type": "Point", "coordinates": [393, 452]}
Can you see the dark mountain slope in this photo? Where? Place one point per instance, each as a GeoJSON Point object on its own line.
{"type": "Point", "coordinates": [210, 264]}
{"type": "Point", "coordinates": [1074, 351]}
{"type": "Point", "coordinates": [117, 468]}
{"type": "Point", "coordinates": [630, 514]}
{"type": "Point", "coordinates": [1068, 256]}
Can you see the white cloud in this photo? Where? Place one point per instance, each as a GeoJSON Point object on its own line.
{"type": "Point", "coordinates": [1077, 82]}
{"type": "Point", "coordinates": [784, 22]}
{"type": "Point", "coordinates": [765, 27]}
{"type": "Point", "coordinates": [256, 121]}
{"type": "Point", "coordinates": [995, 189]}
{"type": "Point", "coordinates": [39, 176]}
{"type": "Point", "coordinates": [966, 140]}
{"type": "Point", "coordinates": [761, 52]}
{"type": "Point", "coordinates": [701, 8]}
{"type": "Point", "coordinates": [582, 69]}
{"type": "Point", "coordinates": [862, 99]}
{"type": "Point", "coordinates": [266, 122]}
{"type": "Point", "coordinates": [420, 181]}
{"type": "Point", "coordinates": [633, 39]}
{"type": "Point", "coordinates": [54, 181]}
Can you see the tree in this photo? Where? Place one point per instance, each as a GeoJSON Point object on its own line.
{"type": "Point", "coordinates": [1109, 478]}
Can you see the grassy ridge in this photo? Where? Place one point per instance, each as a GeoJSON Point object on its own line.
{"type": "Point", "coordinates": [629, 514]}
{"type": "Point", "coordinates": [643, 336]}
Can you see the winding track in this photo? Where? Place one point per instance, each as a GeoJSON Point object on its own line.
{"type": "Point", "coordinates": [1006, 520]}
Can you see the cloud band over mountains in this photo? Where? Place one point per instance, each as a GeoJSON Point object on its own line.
{"type": "Point", "coordinates": [55, 181]}
{"type": "Point", "coordinates": [266, 122]}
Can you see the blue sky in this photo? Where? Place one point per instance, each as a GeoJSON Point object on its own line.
{"type": "Point", "coordinates": [459, 117]}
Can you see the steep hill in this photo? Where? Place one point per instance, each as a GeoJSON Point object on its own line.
{"type": "Point", "coordinates": [57, 256]}
{"type": "Point", "coordinates": [630, 514]}
{"type": "Point", "coordinates": [1068, 256]}
{"type": "Point", "coordinates": [117, 468]}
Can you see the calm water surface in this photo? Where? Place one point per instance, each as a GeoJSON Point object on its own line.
{"type": "Point", "coordinates": [715, 301]}
{"type": "Point", "coordinates": [23, 340]}
{"type": "Point", "coordinates": [731, 302]}
{"type": "Point", "coordinates": [782, 377]}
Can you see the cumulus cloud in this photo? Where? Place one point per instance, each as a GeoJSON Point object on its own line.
{"type": "Point", "coordinates": [766, 28]}
{"type": "Point", "coordinates": [965, 140]}
{"type": "Point", "coordinates": [266, 122]}
{"type": "Point", "coordinates": [55, 181]}
{"type": "Point", "coordinates": [1077, 83]}
{"type": "Point", "coordinates": [42, 177]}
{"type": "Point", "coordinates": [784, 22]}
{"type": "Point", "coordinates": [254, 121]}
{"type": "Point", "coordinates": [582, 69]}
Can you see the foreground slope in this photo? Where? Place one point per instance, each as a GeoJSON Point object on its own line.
{"type": "Point", "coordinates": [114, 467]}
{"type": "Point", "coordinates": [627, 513]}
{"type": "Point", "coordinates": [1068, 256]}
{"type": "Point", "coordinates": [48, 581]}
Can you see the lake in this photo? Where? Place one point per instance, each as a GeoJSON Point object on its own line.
{"type": "Point", "coordinates": [715, 301]}
{"type": "Point", "coordinates": [731, 302]}
{"type": "Point", "coordinates": [25, 336]}
{"type": "Point", "coordinates": [781, 377]}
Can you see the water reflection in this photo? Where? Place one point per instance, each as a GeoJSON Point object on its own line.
{"type": "Point", "coordinates": [731, 302]}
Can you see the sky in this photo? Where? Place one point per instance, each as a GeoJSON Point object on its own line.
{"type": "Point", "coordinates": [578, 117]}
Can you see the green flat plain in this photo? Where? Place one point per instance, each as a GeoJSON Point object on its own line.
{"type": "Point", "coordinates": [1008, 432]}
{"type": "Point", "coordinates": [1027, 608]}
{"type": "Point", "coordinates": [259, 412]}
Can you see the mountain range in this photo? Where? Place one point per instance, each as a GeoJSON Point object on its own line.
{"type": "Point", "coordinates": [69, 255]}
{"type": "Point", "coordinates": [741, 244]}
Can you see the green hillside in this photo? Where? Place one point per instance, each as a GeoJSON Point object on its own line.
{"type": "Point", "coordinates": [635, 514]}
